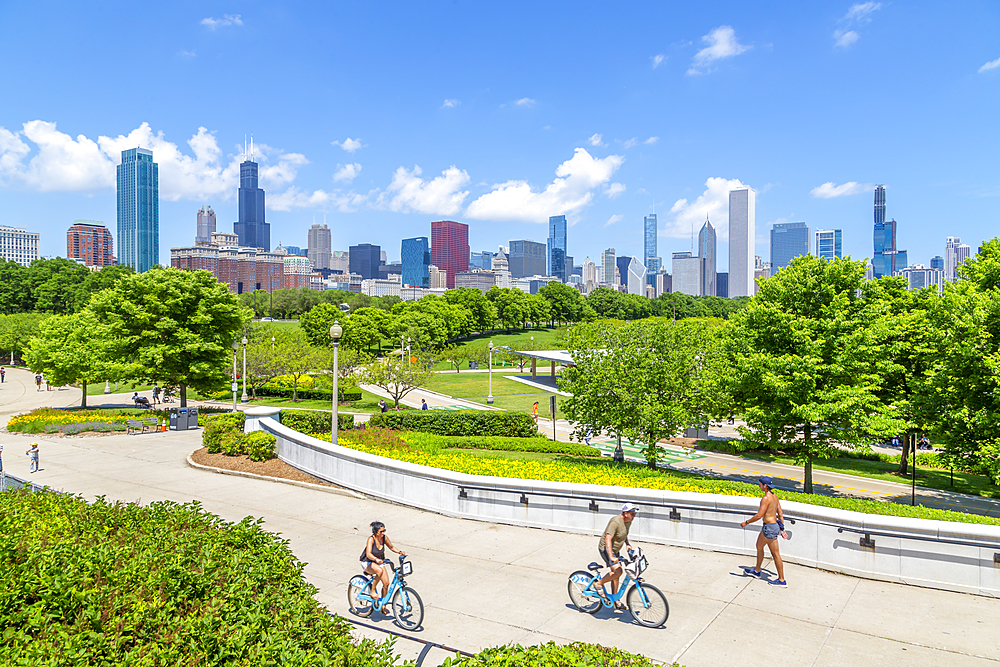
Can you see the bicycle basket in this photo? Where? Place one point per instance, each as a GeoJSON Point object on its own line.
{"type": "Point", "coordinates": [637, 565]}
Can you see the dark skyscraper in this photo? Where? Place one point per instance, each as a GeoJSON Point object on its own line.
{"type": "Point", "coordinates": [526, 258]}
{"type": "Point", "coordinates": [788, 241]}
{"type": "Point", "coordinates": [251, 229]}
{"type": "Point", "coordinates": [887, 259]}
{"type": "Point", "coordinates": [416, 256]}
{"type": "Point", "coordinates": [555, 260]}
{"type": "Point", "coordinates": [879, 204]}
{"type": "Point", "coordinates": [365, 259]}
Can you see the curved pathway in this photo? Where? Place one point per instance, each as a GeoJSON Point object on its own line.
{"type": "Point", "coordinates": [487, 584]}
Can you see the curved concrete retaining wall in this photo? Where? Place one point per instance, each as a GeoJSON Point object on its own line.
{"type": "Point", "coordinates": [937, 554]}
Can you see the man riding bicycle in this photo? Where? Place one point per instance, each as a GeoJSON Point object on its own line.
{"type": "Point", "coordinates": [614, 536]}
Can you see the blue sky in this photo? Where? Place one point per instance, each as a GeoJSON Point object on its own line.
{"type": "Point", "coordinates": [386, 116]}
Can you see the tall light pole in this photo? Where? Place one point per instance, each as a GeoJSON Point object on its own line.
{"type": "Point", "coordinates": [244, 398]}
{"type": "Point", "coordinates": [409, 361]}
{"type": "Point", "coordinates": [489, 398]}
{"type": "Point", "coordinates": [236, 347]}
{"type": "Point", "coordinates": [336, 331]}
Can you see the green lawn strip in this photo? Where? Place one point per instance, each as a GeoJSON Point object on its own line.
{"type": "Point", "coordinates": [433, 443]}
{"type": "Point", "coordinates": [931, 478]}
{"type": "Point", "coordinates": [368, 403]}
{"type": "Point", "coordinates": [507, 394]}
{"type": "Point", "coordinates": [634, 475]}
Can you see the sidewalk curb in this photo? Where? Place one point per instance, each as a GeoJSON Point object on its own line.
{"type": "Point", "coordinates": [306, 485]}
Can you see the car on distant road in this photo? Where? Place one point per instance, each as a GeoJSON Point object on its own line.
{"type": "Point", "coordinates": [267, 319]}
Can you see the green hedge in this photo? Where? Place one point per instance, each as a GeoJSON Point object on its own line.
{"type": "Point", "coordinates": [224, 433]}
{"type": "Point", "coordinates": [346, 395]}
{"type": "Point", "coordinates": [105, 584]}
{"type": "Point", "coordinates": [431, 442]}
{"type": "Point", "coordinates": [311, 421]}
{"type": "Point", "coordinates": [577, 654]}
{"type": "Point", "coordinates": [470, 422]}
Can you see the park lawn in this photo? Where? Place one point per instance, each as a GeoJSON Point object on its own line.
{"type": "Point", "coordinates": [368, 403]}
{"type": "Point", "coordinates": [97, 389]}
{"type": "Point", "coordinates": [507, 394]}
{"type": "Point", "coordinates": [544, 339]}
{"type": "Point", "coordinates": [931, 478]}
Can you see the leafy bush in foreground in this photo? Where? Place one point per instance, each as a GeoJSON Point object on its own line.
{"type": "Point", "coordinates": [120, 584]}
{"type": "Point", "coordinates": [576, 654]}
{"type": "Point", "coordinates": [471, 422]}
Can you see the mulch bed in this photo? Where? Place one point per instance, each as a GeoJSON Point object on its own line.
{"type": "Point", "coordinates": [269, 468]}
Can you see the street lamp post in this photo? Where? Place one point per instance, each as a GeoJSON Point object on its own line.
{"type": "Point", "coordinates": [336, 331]}
{"type": "Point", "coordinates": [409, 360]}
{"type": "Point", "coordinates": [244, 398]}
{"type": "Point", "coordinates": [674, 304]}
{"type": "Point", "coordinates": [272, 343]}
{"type": "Point", "coordinates": [235, 387]}
{"type": "Point", "coordinates": [489, 398]}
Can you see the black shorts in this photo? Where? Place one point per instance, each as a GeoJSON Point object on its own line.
{"type": "Point", "coordinates": [604, 556]}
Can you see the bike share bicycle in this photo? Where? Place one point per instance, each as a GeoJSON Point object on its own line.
{"type": "Point", "coordinates": [406, 605]}
{"type": "Point", "coordinates": [646, 603]}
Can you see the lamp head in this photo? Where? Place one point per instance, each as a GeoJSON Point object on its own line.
{"type": "Point", "coordinates": [491, 345]}
{"type": "Point", "coordinates": [336, 331]}
{"type": "Point", "coordinates": [244, 340]}
{"type": "Point", "coordinates": [236, 345]}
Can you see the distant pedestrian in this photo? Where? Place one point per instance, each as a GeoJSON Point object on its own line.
{"type": "Point", "coordinates": [382, 405]}
{"type": "Point", "coordinates": [774, 525]}
{"type": "Point", "coordinates": [38, 381]}
{"type": "Point", "coordinates": [423, 404]}
{"type": "Point", "coordinates": [895, 441]}
{"type": "Point", "coordinates": [534, 411]}
{"type": "Point", "coordinates": [156, 394]}
{"type": "Point", "coordinates": [33, 457]}
{"type": "Point", "coordinates": [1, 460]}
{"type": "Point", "coordinates": [586, 438]}
{"type": "Point", "coordinates": [3, 374]}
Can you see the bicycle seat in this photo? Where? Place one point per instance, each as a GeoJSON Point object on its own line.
{"type": "Point", "coordinates": [593, 567]}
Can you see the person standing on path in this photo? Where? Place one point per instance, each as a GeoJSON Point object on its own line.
{"type": "Point", "coordinates": [33, 457]}
{"type": "Point", "coordinates": [38, 381]}
{"type": "Point", "coordinates": [156, 394]}
{"type": "Point", "coordinates": [534, 411]}
{"type": "Point", "coordinates": [774, 525]}
{"type": "Point", "coordinates": [423, 404]}
{"type": "Point", "coordinates": [3, 374]}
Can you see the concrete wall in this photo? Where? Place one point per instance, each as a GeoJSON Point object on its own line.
{"type": "Point", "coordinates": [910, 551]}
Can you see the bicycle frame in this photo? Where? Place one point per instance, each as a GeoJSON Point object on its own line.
{"type": "Point", "coordinates": [623, 587]}
{"type": "Point", "coordinates": [394, 584]}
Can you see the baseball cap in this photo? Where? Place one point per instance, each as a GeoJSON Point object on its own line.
{"type": "Point", "coordinates": [765, 480]}
{"type": "Point", "coordinates": [629, 507]}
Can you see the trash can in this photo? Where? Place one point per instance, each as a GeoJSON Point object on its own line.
{"type": "Point", "coordinates": [178, 419]}
{"type": "Point", "coordinates": [192, 418]}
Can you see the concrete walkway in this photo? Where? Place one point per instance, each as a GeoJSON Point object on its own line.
{"type": "Point", "coordinates": [486, 584]}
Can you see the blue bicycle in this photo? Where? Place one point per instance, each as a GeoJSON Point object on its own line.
{"type": "Point", "coordinates": [645, 602]}
{"type": "Point", "coordinates": [406, 605]}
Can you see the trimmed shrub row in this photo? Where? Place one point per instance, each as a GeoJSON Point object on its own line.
{"type": "Point", "coordinates": [465, 422]}
{"type": "Point", "coordinates": [346, 395]}
{"type": "Point", "coordinates": [224, 433]}
{"type": "Point", "coordinates": [311, 421]}
{"type": "Point", "coordinates": [432, 442]}
{"type": "Point", "coordinates": [576, 654]}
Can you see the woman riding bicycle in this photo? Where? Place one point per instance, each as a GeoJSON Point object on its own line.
{"type": "Point", "coordinates": [373, 557]}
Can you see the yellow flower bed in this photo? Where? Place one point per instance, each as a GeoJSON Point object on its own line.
{"type": "Point", "coordinates": [45, 416]}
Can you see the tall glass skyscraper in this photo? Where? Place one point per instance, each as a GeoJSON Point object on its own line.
{"type": "Point", "coordinates": [887, 259]}
{"type": "Point", "coordinates": [416, 256]}
{"type": "Point", "coordinates": [788, 241]}
{"type": "Point", "coordinates": [251, 229]}
{"type": "Point", "coordinates": [650, 257]}
{"type": "Point", "coordinates": [555, 260]}
{"type": "Point", "coordinates": [138, 210]}
{"type": "Point", "coordinates": [879, 204]}
{"type": "Point", "coordinates": [706, 251]}
{"type": "Point", "coordinates": [829, 244]}
{"type": "Point", "coordinates": [206, 224]}
{"type": "Point", "coordinates": [742, 250]}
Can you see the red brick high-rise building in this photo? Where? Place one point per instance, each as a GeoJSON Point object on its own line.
{"type": "Point", "coordinates": [91, 243]}
{"type": "Point", "coordinates": [450, 248]}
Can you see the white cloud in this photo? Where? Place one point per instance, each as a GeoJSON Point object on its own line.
{"type": "Point", "coordinates": [319, 199]}
{"type": "Point", "coordinates": [187, 54]}
{"type": "Point", "coordinates": [829, 190]}
{"type": "Point", "coordinates": [721, 44]}
{"type": "Point", "coordinates": [658, 60]}
{"type": "Point", "coordinates": [596, 140]}
{"type": "Point", "coordinates": [349, 145]}
{"type": "Point", "coordinates": [651, 141]}
{"type": "Point", "coordinates": [568, 194]}
{"type": "Point", "coordinates": [993, 64]}
{"type": "Point", "coordinates": [617, 217]}
{"type": "Point", "coordinates": [347, 172]}
{"type": "Point", "coordinates": [439, 196]}
{"type": "Point", "coordinates": [712, 203]}
{"type": "Point", "coordinates": [630, 143]}
{"type": "Point", "coordinates": [614, 190]}
{"type": "Point", "coordinates": [860, 11]}
{"type": "Point", "coordinates": [845, 39]}
{"type": "Point", "coordinates": [451, 103]}
{"type": "Point", "coordinates": [227, 19]}
{"type": "Point", "coordinates": [525, 102]}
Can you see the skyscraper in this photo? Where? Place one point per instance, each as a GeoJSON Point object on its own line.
{"type": "Point", "coordinates": [138, 210]}
{"type": "Point", "coordinates": [251, 229]}
{"type": "Point", "coordinates": [416, 256]}
{"type": "Point", "coordinates": [706, 252]}
{"type": "Point", "coordinates": [887, 259]}
{"type": "Point", "coordinates": [828, 243]}
{"type": "Point", "coordinates": [526, 258]}
{"type": "Point", "coordinates": [788, 241]}
{"type": "Point", "coordinates": [608, 266]}
{"type": "Point", "coordinates": [481, 260]}
{"type": "Point", "coordinates": [90, 242]}
{"type": "Point", "coordinates": [450, 248]}
{"type": "Point", "coordinates": [555, 258]}
{"type": "Point", "coordinates": [955, 253]}
{"type": "Point", "coordinates": [365, 260]}
{"type": "Point", "coordinates": [742, 205]}
{"type": "Point", "coordinates": [686, 270]}
{"type": "Point", "coordinates": [650, 258]}
{"type": "Point", "coordinates": [937, 262]}
{"type": "Point", "coordinates": [206, 225]}
{"type": "Point", "coordinates": [879, 204]}
{"type": "Point", "coordinates": [319, 246]}
{"type": "Point", "coordinates": [632, 274]}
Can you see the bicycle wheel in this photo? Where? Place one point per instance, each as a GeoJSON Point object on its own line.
{"type": "Point", "coordinates": [577, 582]}
{"type": "Point", "coordinates": [652, 611]}
{"type": "Point", "coordinates": [358, 606]}
{"type": "Point", "coordinates": [408, 608]}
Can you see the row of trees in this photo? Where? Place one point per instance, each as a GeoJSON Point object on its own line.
{"type": "Point", "coordinates": [819, 359]}
{"type": "Point", "coordinates": [52, 285]}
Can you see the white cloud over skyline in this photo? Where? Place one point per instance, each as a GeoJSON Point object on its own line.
{"type": "Point", "coordinates": [713, 203]}
{"type": "Point", "coordinates": [347, 172]}
{"type": "Point", "coordinates": [829, 190]}
{"type": "Point", "coordinates": [993, 64]}
{"type": "Point", "coordinates": [227, 19]}
{"type": "Point", "coordinates": [617, 217]}
{"type": "Point", "coordinates": [408, 192]}
{"type": "Point", "coordinates": [857, 14]}
{"type": "Point", "coordinates": [525, 102]}
{"type": "Point", "coordinates": [658, 60]}
{"type": "Point", "coordinates": [349, 145]}
{"type": "Point", "coordinates": [721, 43]}
{"type": "Point", "coordinates": [596, 140]}
{"type": "Point", "coordinates": [450, 103]}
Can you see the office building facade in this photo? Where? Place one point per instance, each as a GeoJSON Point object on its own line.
{"type": "Point", "coordinates": [91, 243]}
{"type": "Point", "coordinates": [742, 230]}
{"type": "Point", "coordinates": [416, 255]}
{"type": "Point", "coordinates": [608, 267]}
{"type": "Point", "coordinates": [138, 181]}
{"type": "Point", "coordinates": [918, 277]}
{"type": "Point", "coordinates": [937, 262]}
{"type": "Point", "coordinates": [526, 258]}
{"type": "Point", "coordinates": [955, 253]}
{"type": "Point", "coordinates": [686, 273]}
{"type": "Point", "coordinates": [450, 248]}
{"type": "Point", "coordinates": [632, 274]}
{"type": "Point", "coordinates": [319, 246]}
{"type": "Point", "coordinates": [706, 252]}
{"type": "Point", "coordinates": [788, 241]}
{"type": "Point", "coordinates": [365, 260]}
{"type": "Point", "coordinates": [252, 229]}
{"type": "Point", "coordinates": [829, 244]}
{"type": "Point", "coordinates": [555, 264]}
{"type": "Point", "coordinates": [480, 260]}
{"type": "Point", "coordinates": [18, 245]}
{"type": "Point", "coordinates": [206, 224]}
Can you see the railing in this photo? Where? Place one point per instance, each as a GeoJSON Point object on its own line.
{"type": "Point", "coordinates": [9, 482]}
{"type": "Point", "coordinates": [428, 645]}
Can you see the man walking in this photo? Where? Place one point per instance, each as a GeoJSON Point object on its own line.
{"type": "Point", "coordinates": [33, 457]}
{"type": "Point", "coordinates": [774, 525]}
{"type": "Point", "coordinates": [156, 394]}
{"type": "Point", "coordinates": [3, 374]}
{"type": "Point", "coordinates": [614, 536]}
{"type": "Point", "coordinates": [38, 381]}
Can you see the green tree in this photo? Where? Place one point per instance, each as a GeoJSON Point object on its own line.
{"type": "Point", "coordinates": [98, 281]}
{"type": "Point", "coordinates": [295, 357]}
{"type": "Point", "coordinates": [645, 380]}
{"type": "Point", "coordinates": [366, 327]}
{"type": "Point", "coordinates": [398, 377]}
{"type": "Point", "coordinates": [71, 349]}
{"type": "Point", "coordinates": [317, 321]}
{"type": "Point", "coordinates": [171, 326]}
{"type": "Point", "coordinates": [456, 355]}
{"type": "Point", "coordinates": [15, 294]}
{"type": "Point", "coordinates": [17, 329]}
{"type": "Point", "coordinates": [511, 305]}
{"type": "Point", "coordinates": [801, 376]}
{"type": "Point", "coordinates": [482, 314]}
{"type": "Point", "coordinates": [55, 284]}
{"type": "Point", "coordinates": [566, 304]}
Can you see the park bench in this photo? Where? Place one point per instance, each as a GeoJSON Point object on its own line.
{"type": "Point", "coordinates": [145, 425]}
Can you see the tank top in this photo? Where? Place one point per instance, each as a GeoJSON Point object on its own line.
{"type": "Point", "coordinates": [377, 551]}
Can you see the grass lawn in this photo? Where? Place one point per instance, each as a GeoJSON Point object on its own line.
{"type": "Point", "coordinates": [931, 478]}
{"type": "Point", "coordinates": [97, 389]}
{"type": "Point", "coordinates": [507, 394]}
{"type": "Point", "coordinates": [368, 403]}
{"type": "Point", "coordinates": [544, 339]}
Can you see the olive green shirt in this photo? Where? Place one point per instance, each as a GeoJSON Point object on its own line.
{"type": "Point", "coordinates": [618, 530]}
